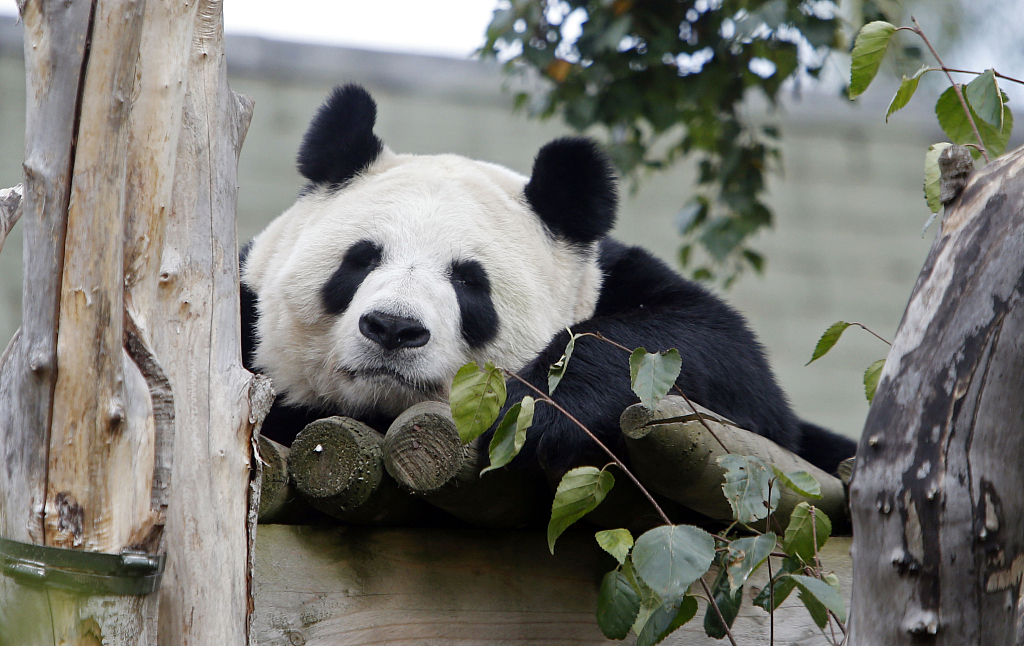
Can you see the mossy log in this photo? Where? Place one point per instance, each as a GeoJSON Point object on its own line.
{"type": "Point", "coordinates": [280, 502]}
{"type": "Point", "coordinates": [679, 460]}
{"type": "Point", "coordinates": [423, 453]}
{"type": "Point", "coordinates": [335, 464]}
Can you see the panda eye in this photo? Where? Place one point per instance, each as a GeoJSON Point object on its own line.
{"type": "Point", "coordinates": [470, 274]}
{"type": "Point", "coordinates": [362, 255]}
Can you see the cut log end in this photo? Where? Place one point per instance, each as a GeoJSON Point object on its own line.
{"type": "Point", "coordinates": [422, 450]}
{"type": "Point", "coordinates": [336, 461]}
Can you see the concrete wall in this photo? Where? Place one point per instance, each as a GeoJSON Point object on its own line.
{"type": "Point", "coordinates": [847, 243]}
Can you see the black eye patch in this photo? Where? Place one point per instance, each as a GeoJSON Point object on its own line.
{"type": "Point", "coordinates": [473, 292]}
{"type": "Point", "coordinates": [360, 259]}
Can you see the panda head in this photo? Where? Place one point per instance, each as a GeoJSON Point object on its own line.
{"type": "Point", "coordinates": [391, 270]}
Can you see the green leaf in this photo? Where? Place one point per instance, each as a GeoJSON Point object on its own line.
{"type": "Point", "coordinates": [557, 369]}
{"type": "Point", "coordinates": [780, 588]}
{"type": "Point", "coordinates": [985, 99]}
{"type": "Point", "coordinates": [823, 593]}
{"type": "Point", "coordinates": [745, 555]}
{"type": "Point", "coordinates": [747, 486]}
{"type": "Point", "coordinates": [799, 538]}
{"type": "Point", "coordinates": [799, 482]}
{"type": "Point", "coordinates": [728, 601]}
{"type": "Point", "coordinates": [871, 376]}
{"type": "Point", "coordinates": [828, 339]}
{"type": "Point", "coordinates": [617, 605]}
{"type": "Point", "coordinates": [652, 375]}
{"type": "Point", "coordinates": [477, 396]}
{"type": "Point", "coordinates": [665, 620]}
{"type": "Point", "coordinates": [868, 51]}
{"type": "Point", "coordinates": [932, 176]}
{"type": "Point", "coordinates": [581, 490]}
{"type": "Point", "coordinates": [510, 435]}
{"type": "Point", "coordinates": [649, 601]}
{"type": "Point", "coordinates": [755, 259]}
{"type": "Point", "coordinates": [905, 92]}
{"type": "Point", "coordinates": [671, 557]}
{"type": "Point", "coordinates": [616, 542]}
{"type": "Point", "coordinates": [956, 125]}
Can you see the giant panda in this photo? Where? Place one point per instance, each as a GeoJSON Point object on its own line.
{"type": "Point", "coordinates": [391, 271]}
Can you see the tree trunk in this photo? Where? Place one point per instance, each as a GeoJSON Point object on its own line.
{"type": "Point", "coordinates": [938, 514]}
{"type": "Point", "coordinates": [128, 356]}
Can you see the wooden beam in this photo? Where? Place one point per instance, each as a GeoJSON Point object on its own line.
{"type": "Point", "coordinates": [434, 587]}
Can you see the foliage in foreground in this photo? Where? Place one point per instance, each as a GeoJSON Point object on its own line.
{"type": "Point", "coordinates": [650, 590]}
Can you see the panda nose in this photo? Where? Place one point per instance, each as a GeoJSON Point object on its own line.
{"type": "Point", "coordinates": [393, 332]}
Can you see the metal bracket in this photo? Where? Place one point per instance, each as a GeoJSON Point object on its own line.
{"type": "Point", "coordinates": [132, 572]}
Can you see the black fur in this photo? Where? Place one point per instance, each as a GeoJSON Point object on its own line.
{"type": "Point", "coordinates": [247, 302]}
{"type": "Point", "coordinates": [645, 304]}
{"type": "Point", "coordinates": [572, 189]}
{"type": "Point", "coordinates": [357, 263]}
{"type": "Point", "coordinates": [340, 142]}
{"type": "Point", "coordinates": [476, 309]}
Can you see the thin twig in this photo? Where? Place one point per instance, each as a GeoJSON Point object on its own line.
{"type": "Point", "coordinates": [771, 604]}
{"type": "Point", "coordinates": [615, 459]}
{"type": "Point", "coordinates": [956, 87]}
{"type": "Point", "coordinates": [1002, 76]}
{"type": "Point", "coordinates": [872, 332]}
{"type": "Point", "coordinates": [817, 574]}
{"type": "Point", "coordinates": [718, 611]}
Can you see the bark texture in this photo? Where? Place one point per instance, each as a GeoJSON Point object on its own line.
{"type": "Point", "coordinates": [938, 514]}
{"type": "Point", "coordinates": [128, 357]}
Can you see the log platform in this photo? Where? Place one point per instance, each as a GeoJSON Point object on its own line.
{"type": "Point", "coordinates": [341, 586]}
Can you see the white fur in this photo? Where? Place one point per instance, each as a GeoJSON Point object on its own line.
{"type": "Point", "coordinates": [425, 211]}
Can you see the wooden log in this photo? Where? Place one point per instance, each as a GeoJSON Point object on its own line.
{"type": "Point", "coordinates": [336, 465]}
{"type": "Point", "coordinates": [10, 210]}
{"type": "Point", "coordinates": [280, 501]}
{"type": "Point", "coordinates": [434, 587]}
{"type": "Point", "coordinates": [679, 461]}
{"type": "Point", "coordinates": [936, 499]}
{"type": "Point", "coordinates": [88, 449]}
{"type": "Point", "coordinates": [422, 452]}
{"type": "Point", "coordinates": [205, 596]}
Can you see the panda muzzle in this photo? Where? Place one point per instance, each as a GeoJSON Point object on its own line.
{"type": "Point", "coordinates": [393, 332]}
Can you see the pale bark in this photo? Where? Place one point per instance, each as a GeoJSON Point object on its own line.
{"type": "Point", "coordinates": [206, 593]}
{"type": "Point", "coordinates": [128, 354]}
{"type": "Point", "coordinates": [10, 211]}
{"type": "Point", "coordinates": [938, 515]}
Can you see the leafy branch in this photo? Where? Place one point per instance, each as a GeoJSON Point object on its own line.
{"type": "Point", "coordinates": [648, 592]}
{"type": "Point", "coordinates": [974, 114]}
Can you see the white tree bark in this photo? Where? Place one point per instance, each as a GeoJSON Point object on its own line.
{"type": "Point", "coordinates": [128, 354]}
{"type": "Point", "coordinates": [938, 515]}
{"type": "Point", "coordinates": [10, 211]}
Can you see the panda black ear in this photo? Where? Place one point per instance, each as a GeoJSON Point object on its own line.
{"type": "Point", "coordinates": [340, 142]}
{"type": "Point", "coordinates": [573, 189]}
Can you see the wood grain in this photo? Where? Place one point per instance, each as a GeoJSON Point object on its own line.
{"type": "Point", "coordinates": [434, 587]}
